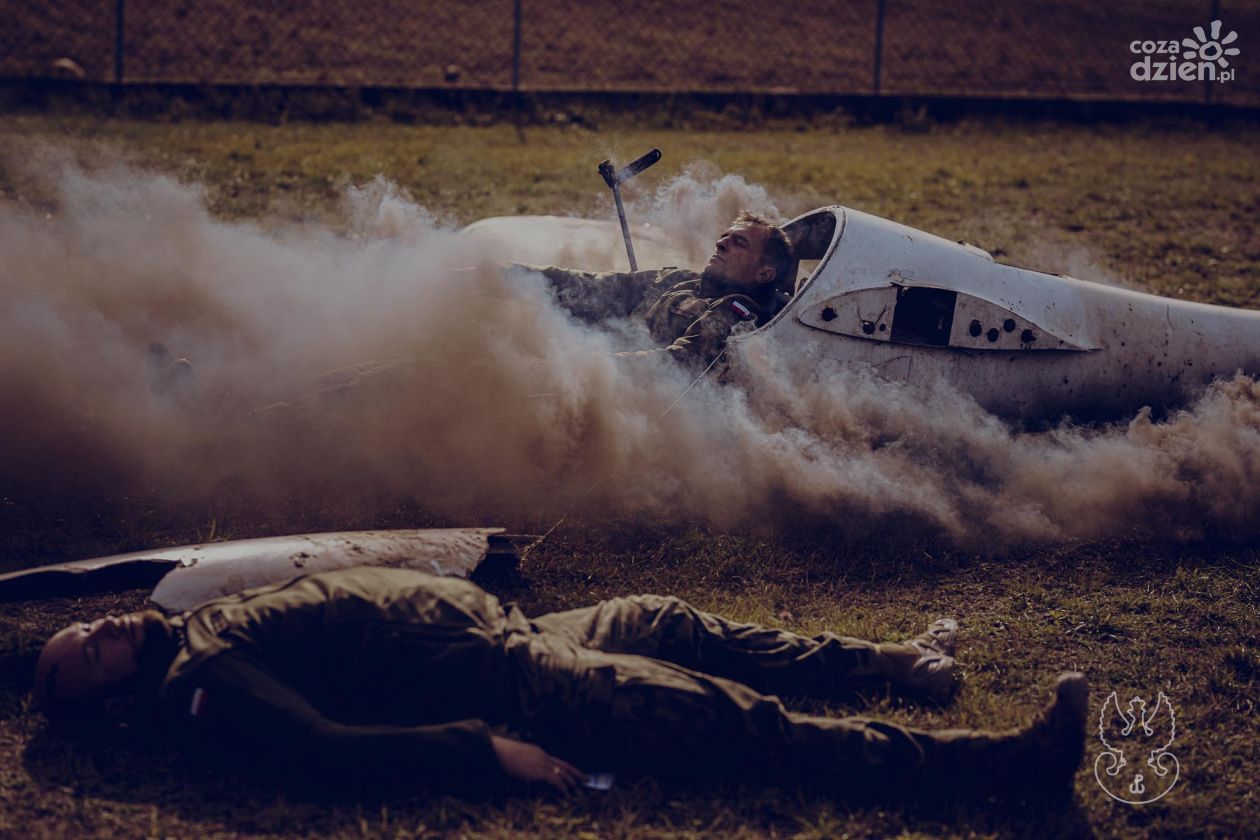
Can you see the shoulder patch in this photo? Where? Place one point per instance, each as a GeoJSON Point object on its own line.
{"type": "Point", "coordinates": [742, 310]}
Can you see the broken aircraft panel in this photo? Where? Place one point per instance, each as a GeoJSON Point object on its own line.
{"type": "Point", "coordinates": [188, 575]}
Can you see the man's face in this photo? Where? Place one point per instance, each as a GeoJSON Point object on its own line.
{"type": "Point", "coordinates": [736, 261]}
{"type": "Point", "coordinates": [84, 659]}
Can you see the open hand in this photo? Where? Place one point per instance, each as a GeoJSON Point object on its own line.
{"type": "Point", "coordinates": [531, 763]}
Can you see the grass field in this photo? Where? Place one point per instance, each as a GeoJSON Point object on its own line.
{"type": "Point", "coordinates": [1166, 207]}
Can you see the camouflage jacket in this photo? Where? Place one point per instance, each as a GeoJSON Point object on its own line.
{"type": "Point", "coordinates": [688, 314]}
{"type": "Point", "coordinates": [362, 675]}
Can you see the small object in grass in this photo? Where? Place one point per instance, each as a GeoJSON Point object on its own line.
{"type": "Point", "coordinates": [599, 781]}
{"type": "Point", "coordinates": [67, 68]}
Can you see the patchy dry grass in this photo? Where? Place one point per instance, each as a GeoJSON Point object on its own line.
{"type": "Point", "coordinates": [1166, 206]}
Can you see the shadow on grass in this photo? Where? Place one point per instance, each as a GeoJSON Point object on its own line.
{"type": "Point", "coordinates": [114, 764]}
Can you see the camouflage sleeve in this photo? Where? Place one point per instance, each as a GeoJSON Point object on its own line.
{"type": "Point", "coordinates": [594, 297]}
{"type": "Point", "coordinates": [705, 339]}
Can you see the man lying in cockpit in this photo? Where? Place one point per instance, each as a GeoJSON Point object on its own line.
{"type": "Point", "coordinates": [691, 314]}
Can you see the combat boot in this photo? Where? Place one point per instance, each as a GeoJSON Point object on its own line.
{"type": "Point", "coordinates": [924, 664]}
{"type": "Point", "coordinates": [1035, 764]}
{"type": "Point", "coordinates": [941, 637]}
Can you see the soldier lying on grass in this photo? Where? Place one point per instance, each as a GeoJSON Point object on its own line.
{"type": "Point", "coordinates": [691, 315]}
{"type": "Point", "coordinates": [374, 675]}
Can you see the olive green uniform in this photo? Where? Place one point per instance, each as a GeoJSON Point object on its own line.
{"type": "Point", "coordinates": [373, 674]}
{"type": "Point", "coordinates": [690, 315]}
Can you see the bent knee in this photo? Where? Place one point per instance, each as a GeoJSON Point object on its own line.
{"type": "Point", "coordinates": [657, 604]}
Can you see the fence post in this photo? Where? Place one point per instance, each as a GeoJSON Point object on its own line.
{"type": "Point", "coordinates": [1214, 14]}
{"type": "Point", "coordinates": [517, 105]}
{"type": "Point", "coordinates": [516, 46]}
{"type": "Point", "coordinates": [879, 42]}
{"type": "Point", "coordinates": [118, 42]}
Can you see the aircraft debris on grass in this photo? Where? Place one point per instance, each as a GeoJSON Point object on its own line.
{"type": "Point", "coordinates": [187, 575]}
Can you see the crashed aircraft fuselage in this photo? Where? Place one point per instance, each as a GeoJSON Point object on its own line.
{"type": "Point", "coordinates": [921, 309]}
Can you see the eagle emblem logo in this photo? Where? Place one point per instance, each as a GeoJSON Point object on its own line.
{"type": "Point", "coordinates": [1135, 765]}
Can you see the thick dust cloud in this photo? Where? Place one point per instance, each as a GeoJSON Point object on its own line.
{"type": "Point", "coordinates": [379, 362]}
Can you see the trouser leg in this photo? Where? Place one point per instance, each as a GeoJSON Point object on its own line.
{"type": "Point", "coordinates": [613, 711]}
{"type": "Point", "coordinates": [621, 712]}
{"type": "Point", "coordinates": [770, 660]}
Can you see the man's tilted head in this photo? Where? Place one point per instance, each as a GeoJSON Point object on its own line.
{"type": "Point", "coordinates": [751, 253]}
{"type": "Point", "coordinates": [81, 663]}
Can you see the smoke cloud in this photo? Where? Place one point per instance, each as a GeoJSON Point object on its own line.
{"type": "Point", "coordinates": [329, 367]}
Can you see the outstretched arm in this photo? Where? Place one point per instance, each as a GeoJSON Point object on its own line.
{"type": "Point", "coordinates": [531, 763]}
{"type": "Point", "coordinates": [593, 297]}
{"type": "Point", "coordinates": [237, 708]}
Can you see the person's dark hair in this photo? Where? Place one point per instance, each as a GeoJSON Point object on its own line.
{"type": "Point", "coordinates": [778, 247]}
{"type": "Point", "coordinates": [62, 711]}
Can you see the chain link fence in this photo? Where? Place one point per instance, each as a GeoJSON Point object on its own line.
{"type": "Point", "coordinates": [1072, 49]}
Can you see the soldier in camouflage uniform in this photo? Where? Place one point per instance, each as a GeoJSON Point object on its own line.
{"type": "Point", "coordinates": [691, 315]}
{"type": "Point", "coordinates": [372, 675]}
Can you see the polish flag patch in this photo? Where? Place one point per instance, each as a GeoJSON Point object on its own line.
{"type": "Point", "coordinates": [198, 705]}
{"type": "Point", "coordinates": [743, 311]}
